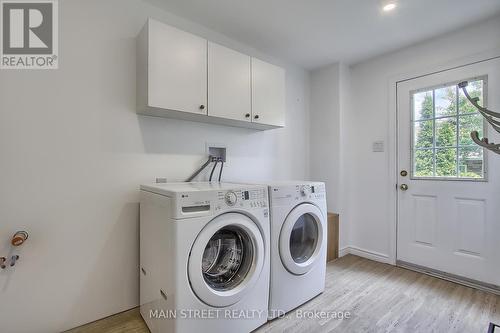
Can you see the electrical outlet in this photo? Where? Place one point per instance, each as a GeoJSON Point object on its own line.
{"type": "Point", "coordinates": [217, 151]}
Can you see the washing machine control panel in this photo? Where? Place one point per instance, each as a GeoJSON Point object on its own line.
{"type": "Point", "coordinates": [231, 198]}
{"type": "Point", "coordinates": [205, 203]}
{"type": "Point", "coordinates": [242, 198]}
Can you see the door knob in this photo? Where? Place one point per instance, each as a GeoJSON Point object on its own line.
{"type": "Point", "coordinates": [404, 173]}
{"type": "Point", "coordinates": [256, 116]}
{"type": "Point", "coordinates": [403, 187]}
{"type": "Point", "coordinates": [247, 115]}
{"type": "Point", "coordinates": [202, 107]}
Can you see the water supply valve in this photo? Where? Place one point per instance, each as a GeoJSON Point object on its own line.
{"type": "Point", "coordinates": [19, 238]}
{"type": "Point", "coordinates": [13, 260]}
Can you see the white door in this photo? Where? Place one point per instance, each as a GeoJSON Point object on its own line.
{"type": "Point", "coordinates": [177, 69]}
{"type": "Point", "coordinates": [301, 238]}
{"type": "Point", "coordinates": [449, 189]}
{"type": "Point", "coordinates": [229, 83]}
{"type": "Point", "coordinates": [226, 260]}
{"type": "Point", "coordinates": [268, 93]}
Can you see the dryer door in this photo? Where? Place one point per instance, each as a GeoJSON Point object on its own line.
{"type": "Point", "coordinates": [301, 238]}
{"type": "Point", "coordinates": [226, 259]}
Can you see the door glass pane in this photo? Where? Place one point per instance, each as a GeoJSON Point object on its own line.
{"type": "Point", "coordinates": [446, 162]}
{"type": "Point", "coordinates": [446, 101]}
{"type": "Point", "coordinates": [475, 89]}
{"type": "Point", "coordinates": [442, 122]}
{"type": "Point", "coordinates": [468, 124]}
{"type": "Point", "coordinates": [424, 134]}
{"type": "Point", "coordinates": [471, 162]}
{"type": "Point", "coordinates": [423, 105]}
{"type": "Point", "coordinates": [446, 132]}
{"type": "Point", "coordinates": [304, 238]}
{"type": "Point", "coordinates": [227, 258]}
{"type": "Point", "coordinates": [424, 163]}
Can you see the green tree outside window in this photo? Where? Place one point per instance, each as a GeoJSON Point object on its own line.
{"type": "Point", "coordinates": [443, 119]}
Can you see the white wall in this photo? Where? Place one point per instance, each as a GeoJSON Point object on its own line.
{"type": "Point", "coordinates": [325, 130]}
{"type": "Point", "coordinates": [73, 153]}
{"type": "Point", "coordinates": [344, 146]}
{"type": "Point", "coordinates": [329, 99]}
{"type": "Point", "coordinates": [367, 206]}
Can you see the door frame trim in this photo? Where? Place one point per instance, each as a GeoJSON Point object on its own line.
{"type": "Point", "coordinates": [392, 135]}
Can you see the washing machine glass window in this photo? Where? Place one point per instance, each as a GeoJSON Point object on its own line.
{"type": "Point", "coordinates": [304, 238]}
{"type": "Point", "coordinates": [227, 258]}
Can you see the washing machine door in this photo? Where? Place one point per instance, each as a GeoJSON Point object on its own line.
{"type": "Point", "coordinates": [301, 238]}
{"type": "Point", "coordinates": [226, 260]}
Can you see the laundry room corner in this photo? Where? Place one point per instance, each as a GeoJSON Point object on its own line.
{"type": "Point", "coordinates": [235, 166]}
{"type": "Point", "coordinates": [81, 152]}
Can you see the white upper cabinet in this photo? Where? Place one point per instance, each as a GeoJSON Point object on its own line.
{"type": "Point", "coordinates": [268, 93]}
{"type": "Point", "coordinates": [176, 69]}
{"type": "Point", "coordinates": [229, 84]}
{"type": "Point", "coordinates": [180, 75]}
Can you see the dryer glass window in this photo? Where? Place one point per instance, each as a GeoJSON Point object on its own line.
{"type": "Point", "coordinates": [227, 258]}
{"type": "Point", "coordinates": [304, 238]}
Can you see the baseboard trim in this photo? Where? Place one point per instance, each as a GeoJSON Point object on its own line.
{"type": "Point", "coordinates": [343, 251]}
{"type": "Point", "coordinates": [372, 255]}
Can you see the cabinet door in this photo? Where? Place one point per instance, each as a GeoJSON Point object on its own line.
{"type": "Point", "coordinates": [268, 93]}
{"type": "Point", "coordinates": [229, 83]}
{"type": "Point", "coordinates": [177, 69]}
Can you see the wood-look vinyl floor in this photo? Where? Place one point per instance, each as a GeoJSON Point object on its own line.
{"type": "Point", "coordinates": [378, 297]}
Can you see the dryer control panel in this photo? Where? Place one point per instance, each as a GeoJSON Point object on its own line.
{"type": "Point", "coordinates": [288, 194]}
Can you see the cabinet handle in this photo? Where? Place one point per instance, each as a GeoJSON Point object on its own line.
{"type": "Point", "coordinates": [202, 107]}
{"type": "Point", "coordinates": [256, 116]}
{"type": "Point", "coordinates": [247, 115]}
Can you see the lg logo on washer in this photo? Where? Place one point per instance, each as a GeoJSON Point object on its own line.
{"type": "Point", "coordinates": [29, 34]}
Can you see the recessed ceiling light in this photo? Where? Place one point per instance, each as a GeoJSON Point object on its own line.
{"type": "Point", "coordinates": [389, 6]}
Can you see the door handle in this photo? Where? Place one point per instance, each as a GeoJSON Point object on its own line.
{"type": "Point", "coordinates": [403, 187]}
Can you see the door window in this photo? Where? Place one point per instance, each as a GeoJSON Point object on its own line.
{"type": "Point", "coordinates": [227, 258]}
{"type": "Point", "coordinates": [442, 120]}
{"type": "Point", "coordinates": [304, 238]}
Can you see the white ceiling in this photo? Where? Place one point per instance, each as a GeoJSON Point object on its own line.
{"type": "Point", "coordinates": [312, 33]}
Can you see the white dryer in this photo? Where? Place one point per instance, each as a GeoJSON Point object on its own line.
{"type": "Point", "coordinates": [204, 257]}
{"type": "Point", "coordinates": [298, 244]}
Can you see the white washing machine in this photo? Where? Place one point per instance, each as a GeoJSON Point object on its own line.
{"type": "Point", "coordinates": [298, 244]}
{"type": "Point", "coordinates": [204, 257]}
